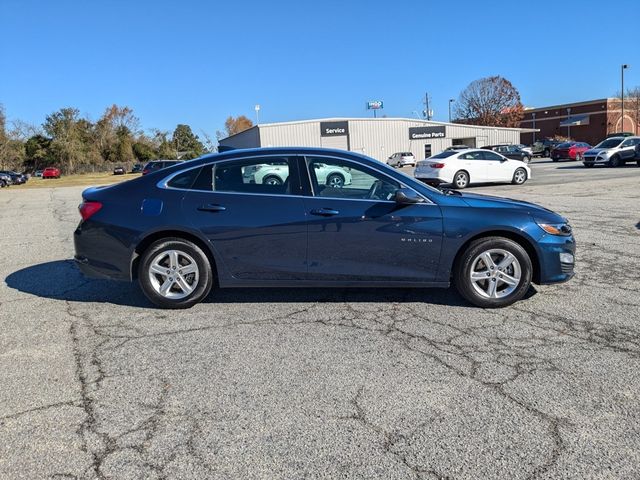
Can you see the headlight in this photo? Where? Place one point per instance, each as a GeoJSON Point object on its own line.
{"type": "Point", "coordinates": [563, 229]}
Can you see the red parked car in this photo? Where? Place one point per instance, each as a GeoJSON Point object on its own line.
{"type": "Point", "coordinates": [51, 172]}
{"type": "Point", "coordinates": [569, 150]}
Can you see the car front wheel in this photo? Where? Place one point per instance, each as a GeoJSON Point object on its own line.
{"type": "Point", "coordinates": [335, 180]}
{"type": "Point", "coordinates": [614, 161]}
{"type": "Point", "coordinates": [519, 176]}
{"type": "Point", "coordinates": [175, 273]}
{"type": "Point", "coordinates": [493, 272]}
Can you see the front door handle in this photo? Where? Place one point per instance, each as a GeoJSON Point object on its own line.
{"type": "Point", "coordinates": [211, 207]}
{"type": "Point", "coordinates": [325, 212]}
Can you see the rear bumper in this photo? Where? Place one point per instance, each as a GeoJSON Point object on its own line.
{"type": "Point", "coordinates": [102, 252]}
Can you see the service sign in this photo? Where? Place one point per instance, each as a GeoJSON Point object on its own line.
{"type": "Point", "coordinates": [374, 105]}
{"type": "Point", "coordinates": [426, 133]}
{"type": "Point", "coordinates": [334, 129]}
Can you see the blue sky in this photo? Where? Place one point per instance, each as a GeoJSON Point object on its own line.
{"type": "Point", "coordinates": [197, 62]}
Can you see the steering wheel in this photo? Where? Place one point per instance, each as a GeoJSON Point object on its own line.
{"type": "Point", "coordinates": [373, 191]}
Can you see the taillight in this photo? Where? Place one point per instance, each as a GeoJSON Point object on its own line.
{"type": "Point", "coordinates": [436, 165]}
{"type": "Point", "coordinates": [144, 172]}
{"type": "Point", "coordinates": [87, 209]}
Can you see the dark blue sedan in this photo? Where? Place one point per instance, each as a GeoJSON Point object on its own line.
{"type": "Point", "coordinates": [307, 217]}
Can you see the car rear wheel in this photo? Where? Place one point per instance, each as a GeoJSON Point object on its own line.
{"type": "Point", "coordinates": [546, 153]}
{"type": "Point", "coordinates": [519, 176]}
{"type": "Point", "coordinates": [461, 179]}
{"type": "Point", "coordinates": [493, 272]}
{"type": "Point", "coordinates": [175, 273]}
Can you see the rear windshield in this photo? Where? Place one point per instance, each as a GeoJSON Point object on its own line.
{"type": "Point", "coordinates": [610, 143]}
{"type": "Point", "coordinates": [564, 145]}
{"type": "Point", "coordinates": [407, 154]}
{"type": "Point", "coordinates": [445, 154]}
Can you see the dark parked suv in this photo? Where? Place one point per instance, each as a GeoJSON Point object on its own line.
{"type": "Point", "coordinates": [158, 165]}
{"type": "Point", "coordinates": [510, 151]}
{"type": "Point", "coordinates": [545, 147]}
{"type": "Point", "coordinates": [216, 221]}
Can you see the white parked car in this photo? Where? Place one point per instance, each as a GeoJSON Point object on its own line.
{"type": "Point", "coordinates": [277, 173]}
{"type": "Point", "coordinates": [400, 159]}
{"type": "Point", "coordinates": [462, 168]}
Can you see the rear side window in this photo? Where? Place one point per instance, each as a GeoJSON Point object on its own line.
{"type": "Point", "coordinates": [261, 175]}
{"type": "Point", "coordinates": [185, 180]}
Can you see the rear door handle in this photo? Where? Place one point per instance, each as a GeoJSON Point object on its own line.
{"type": "Point", "coordinates": [325, 212]}
{"type": "Point", "coordinates": [211, 207]}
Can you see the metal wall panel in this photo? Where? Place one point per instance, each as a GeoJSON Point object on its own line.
{"type": "Point", "coordinates": [377, 138]}
{"type": "Point", "coordinates": [247, 139]}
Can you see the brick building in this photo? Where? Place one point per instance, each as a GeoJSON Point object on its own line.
{"type": "Point", "coordinates": [589, 121]}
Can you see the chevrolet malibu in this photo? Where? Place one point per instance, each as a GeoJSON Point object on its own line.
{"type": "Point", "coordinates": [462, 168]}
{"type": "Point", "coordinates": [182, 230]}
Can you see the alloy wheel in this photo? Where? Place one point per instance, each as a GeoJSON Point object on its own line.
{"type": "Point", "coordinates": [520, 176]}
{"type": "Point", "coordinates": [173, 274]}
{"type": "Point", "coordinates": [495, 273]}
{"type": "Point", "coordinates": [461, 180]}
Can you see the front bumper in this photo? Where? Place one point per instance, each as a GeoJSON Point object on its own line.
{"type": "Point", "coordinates": [557, 259]}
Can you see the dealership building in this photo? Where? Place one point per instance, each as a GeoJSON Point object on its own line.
{"type": "Point", "coordinates": [376, 137]}
{"type": "Point", "coordinates": [590, 121]}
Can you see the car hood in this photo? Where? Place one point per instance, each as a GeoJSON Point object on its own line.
{"type": "Point", "coordinates": [595, 151]}
{"type": "Point", "coordinates": [487, 201]}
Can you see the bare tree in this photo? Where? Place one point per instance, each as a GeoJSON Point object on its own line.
{"type": "Point", "coordinates": [492, 101]}
{"type": "Point", "coordinates": [238, 124]}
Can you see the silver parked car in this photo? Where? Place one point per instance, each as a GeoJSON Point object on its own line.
{"type": "Point", "coordinates": [400, 159]}
{"type": "Point", "coordinates": [612, 152]}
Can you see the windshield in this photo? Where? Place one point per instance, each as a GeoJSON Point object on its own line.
{"type": "Point", "coordinates": [610, 143]}
{"type": "Point", "coordinates": [444, 154]}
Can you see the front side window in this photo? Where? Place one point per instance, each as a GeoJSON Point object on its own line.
{"type": "Point", "coordinates": [491, 155]}
{"type": "Point", "coordinates": [335, 178]}
{"type": "Point", "coordinates": [262, 175]}
{"type": "Point", "coordinates": [630, 142]}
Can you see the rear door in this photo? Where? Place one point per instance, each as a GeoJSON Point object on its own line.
{"type": "Point", "coordinates": [257, 227]}
{"type": "Point", "coordinates": [474, 163]}
{"type": "Point", "coordinates": [357, 232]}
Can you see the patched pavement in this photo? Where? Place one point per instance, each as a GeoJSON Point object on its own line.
{"type": "Point", "coordinates": [285, 383]}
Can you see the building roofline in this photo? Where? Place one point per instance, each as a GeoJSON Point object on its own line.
{"type": "Point", "coordinates": [565, 105]}
{"type": "Point", "coordinates": [368, 119]}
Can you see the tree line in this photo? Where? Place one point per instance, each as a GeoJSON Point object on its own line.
{"type": "Point", "coordinates": [75, 144]}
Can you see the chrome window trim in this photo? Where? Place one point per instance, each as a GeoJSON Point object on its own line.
{"type": "Point", "coordinates": [163, 183]}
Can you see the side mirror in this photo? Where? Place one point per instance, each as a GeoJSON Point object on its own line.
{"type": "Point", "coordinates": [407, 196]}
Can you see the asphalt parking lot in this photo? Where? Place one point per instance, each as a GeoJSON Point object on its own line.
{"type": "Point", "coordinates": [281, 384]}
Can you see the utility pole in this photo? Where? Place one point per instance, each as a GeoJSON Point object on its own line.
{"type": "Point", "coordinates": [622, 69]}
{"type": "Point", "coordinates": [451, 100]}
{"type": "Point", "coordinates": [427, 112]}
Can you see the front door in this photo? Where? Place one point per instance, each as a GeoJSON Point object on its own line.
{"type": "Point", "coordinates": [253, 214]}
{"type": "Point", "coordinates": [497, 170]}
{"type": "Point", "coordinates": [357, 232]}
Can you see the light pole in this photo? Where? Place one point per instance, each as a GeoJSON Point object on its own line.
{"type": "Point", "coordinates": [533, 115]}
{"type": "Point", "coordinates": [569, 123]}
{"type": "Point", "coordinates": [622, 69]}
{"type": "Point", "coordinates": [451, 100]}
{"type": "Point", "coordinates": [257, 109]}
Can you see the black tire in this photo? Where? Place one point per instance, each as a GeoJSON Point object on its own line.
{"type": "Point", "coordinates": [272, 180]}
{"type": "Point", "coordinates": [460, 180]}
{"type": "Point", "coordinates": [465, 262]}
{"type": "Point", "coordinates": [518, 178]}
{"type": "Point", "coordinates": [554, 159]}
{"type": "Point", "coordinates": [335, 180]}
{"type": "Point", "coordinates": [588, 165]}
{"type": "Point", "coordinates": [202, 286]}
{"type": "Point", "coordinates": [614, 161]}
{"type": "Point", "coordinates": [546, 153]}
{"type": "Point", "coordinates": [638, 163]}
